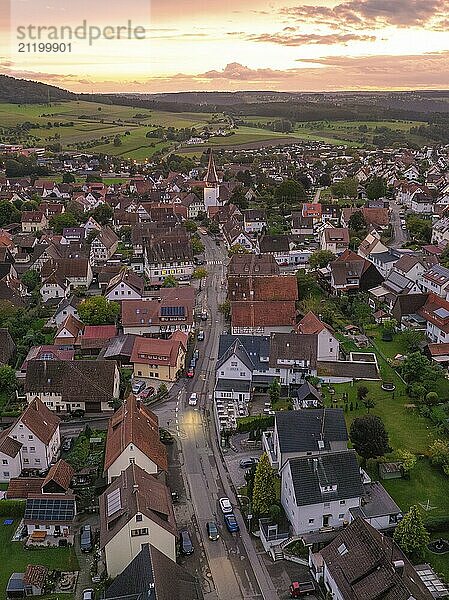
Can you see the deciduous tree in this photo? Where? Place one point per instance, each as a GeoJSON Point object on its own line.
{"type": "Point", "coordinates": [98, 311]}
{"type": "Point", "coordinates": [369, 437]}
{"type": "Point", "coordinates": [411, 535]}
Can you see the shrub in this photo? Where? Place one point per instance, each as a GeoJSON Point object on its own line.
{"type": "Point", "coordinates": [12, 508]}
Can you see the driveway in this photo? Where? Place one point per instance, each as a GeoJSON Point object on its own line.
{"type": "Point", "coordinates": [85, 559]}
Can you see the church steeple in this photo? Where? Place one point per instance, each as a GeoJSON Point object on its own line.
{"type": "Point", "coordinates": [211, 175]}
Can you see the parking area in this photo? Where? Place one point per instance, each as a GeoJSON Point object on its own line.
{"type": "Point", "coordinates": [283, 573]}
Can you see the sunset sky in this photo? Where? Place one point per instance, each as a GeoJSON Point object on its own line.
{"type": "Point", "coordinates": [285, 45]}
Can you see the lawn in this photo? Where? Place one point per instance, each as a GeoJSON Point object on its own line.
{"type": "Point", "coordinates": [14, 559]}
{"type": "Point", "coordinates": [439, 562]}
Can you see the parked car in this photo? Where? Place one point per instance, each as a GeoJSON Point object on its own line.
{"type": "Point", "coordinates": [196, 354]}
{"type": "Point", "coordinates": [185, 542]}
{"type": "Point", "coordinates": [200, 335]}
{"type": "Point", "coordinates": [190, 372]}
{"type": "Point", "coordinates": [231, 523]}
{"type": "Point", "coordinates": [204, 315]}
{"type": "Point", "coordinates": [193, 399]}
{"type": "Point", "coordinates": [88, 594]}
{"type": "Point", "coordinates": [192, 363]}
{"type": "Point", "coordinates": [137, 386]}
{"type": "Point", "coordinates": [301, 588]}
{"type": "Point", "coordinates": [86, 538]}
{"type": "Point", "coordinates": [212, 530]}
{"type": "Point", "coordinates": [67, 444]}
{"type": "Point", "coordinates": [247, 463]}
{"type": "Point", "coordinates": [147, 392]}
{"type": "Point", "coordinates": [225, 505]}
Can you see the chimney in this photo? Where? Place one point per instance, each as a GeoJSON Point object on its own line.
{"type": "Point", "coordinates": [135, 488]}
{"type": "Point", "coordinates": [315, 464]}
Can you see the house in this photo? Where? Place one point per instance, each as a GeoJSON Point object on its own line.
{"type": "Point", "coordinates": [253, 264]}
{"type": "Point", "coordinates": [317, 492]}
{"type": "Point", "coordinates": [163, 360]}
{"type": "Point", "coordinates": [67, 306]}
{"type": "Point", "coordinates": [152, 575]}
{"type": "Point", "coordinates": [235, 235]}
{"type": "Point", "coordinates": [254, 220]}
{"type": "Point", "coordinates": [93, 338]}
{"type": "Point", "coordinates": [335, 239]}
{"type": "Point", "coordinates": [371, 244]}
{"type": "Point", "coordinates": [161, 313]}
{"type": "Point", "coordinates": [19, 488]}
{"type": "Point", "coordinates": [328, 345]}
{"type": "Point", "coordinates": [127, 285]}
{"type": "Point", "coordinates": [133, 438]}
{"type": "Point", "coordinates": [377, 507]}
{"type": "Point", "coordinates": [385, 261]}
{"type": "Point", "coordinates": [305, 433]}
{"type": "Point", "coordinates": [301, 225]}
{"type": "Point", "coordinates": [58, 478]}
{"type": "Point", "coordinates": [33, 221]}
{"type": "Point", "coordinates": [435, 312]}
{"type": "Point", "coordinates": [379, 218]}
{"type": "Point", "coordinates": [276, 245]}
{"type": "Point", "coordinates": [30, 583]}
{"type": "Point", "coordinates": [307, 396]}
{"type": "Point", "coordinates": [46, 352]}
{"type": "Point", "coordinates": [49, 518]}
{"type": "Point", "coordinates": [54, 286]}
{"type": "Point", "coordinates": [119, 349]}
{"type": "Point", "coordinates": [439, 353]}
{"type": "Point", "coordinates": [135, 509]}
{"type": "Point", "coordinates": [31, 442]}
{"type": "Point", "coordinates": [440, 231]}
{"type": "Point", "coordinates": [68, 332]}
{"type": "Point", "coordinates": [103, 246]}
{"type": "Point", "coordinates": [436, 280]}
{"type": "Point", "coordinates": [77, 271]}
{"type": "Point", "coordinates": [405, 310]}
{"type": "Point", "coordinates": [7, 346]}
{"type": "Point", "coordinates": [362, 563]}
{"type": "Point", "coordinates": [350, 274]}
{"type": "Point", "coordinates": [340, 371]}
{"type": "Point", "coordinates": [293, 356]}
{"type": "Point", "coordinates": [66, 386]}
{"type": "Point", "coordinates": [413, 267]}
{"type": "Point", "coordinates": [168, 258]}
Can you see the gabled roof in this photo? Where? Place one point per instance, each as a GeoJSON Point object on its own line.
{"type": "Point", "coordinates": [263, 314]}
{"type": "Point", "coordinates": [22, 487]}
{"type": "Point", "coordinates": [271, 288]}
{"type": "Point", "coordinates": [257, 348]}
{"type": "Point", "coordinates": [151, 575]}
{"type": "Point", "coordinates": [8, 445]}
{"type": "Point", "coordinates": [60, 474]}
{"type": "Point", "coordinates": [306, 390]}
{"type": "Point", "coordinates": [293, 347]}
{"type": "Point", "coordinates": [274, 243]}
{"type": "Point", "coordinates": [72, 325]}
{"type": "Point", "coordinates": [300, 430]}
{"type": "Point", "coordinates": [134, 491]}
{"type": "Point", "coordinates": [310, 323]}
{"type": "Point", "coordinates": [361, 562]}
{"type": "Point", "coordinates": [130, 278]}
{"type": "Point", "coordinates": [253, 264]}
{"type": "Point", "coordinates": [155, 351]}
{"type": "Point", "coordinates": [326, 477]}
{"type": "Point", "coordinates": [134, 423]}
{"type": "Point", "coordinates": [39, 419]}
{"type": "Point", "coordinates": [236, 349]}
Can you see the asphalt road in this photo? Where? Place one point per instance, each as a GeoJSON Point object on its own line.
{"type": "Point", "coordinates": [400, 235]}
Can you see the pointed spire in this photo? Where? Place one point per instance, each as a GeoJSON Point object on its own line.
{"type": "Point", "coordinates": [211, 175]}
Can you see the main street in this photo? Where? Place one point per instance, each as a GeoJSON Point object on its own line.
{"type": "Point", "coordinates": [235, 569]}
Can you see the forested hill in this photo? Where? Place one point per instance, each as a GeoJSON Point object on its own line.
{"type": "Point", "coordinates": [22, 91]}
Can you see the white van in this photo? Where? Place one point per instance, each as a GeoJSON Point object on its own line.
{"type": "Point", "coordinates": [193, 399]}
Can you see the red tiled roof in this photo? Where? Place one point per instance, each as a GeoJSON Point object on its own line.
{"type": "Point", "coordinates": [40, 420]}
{"type": "Point", "coordinates": [310, 323]}
{"type": "Point", "coordinates": [60, 473]}
{"type": "Point", "coordinates": [263, 314]}
{"type": "Point", "coordinates": [153, 351]}
{"type": "Point", "coordinates": [134, 423]}
{"type": "Point", "coordinates": [21, 487]}
{"type": "Point", "coordinates": [99, 332]}
{"type": "Point", "coordinates": [438, 349]}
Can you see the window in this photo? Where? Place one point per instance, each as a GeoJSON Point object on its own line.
{"type": "Point", "coordinates": [32, 449]}
{"type": "Point", "coordinates": [342, 501]}
{"type": "Point", "coordinates": [341, 515]}
{"type": "Point", "coordinates": [327, 505]}
{"type": "Point", "coordinates": [138, 518]}
{"type": "Point", "coordinates": [132, 461]}
{"type": "Point", "coordinates": [139, 532]}
{"type": "Point", "coordinates": [5, 473]}
{"type": "Point", "coordinates": [30, 437]}
{"type": "Point", "coordinates": [37, 461]}
{"type": "Point", "coordinates": [311, 521]}
{"type": "Point", "coordinates": [233, 364]}
{"type": "Point", "coordinates": [4, 462]}
{"type": "Point", "coordinates": [242, 374]}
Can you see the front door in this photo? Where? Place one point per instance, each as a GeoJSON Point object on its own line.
{"type": "Point", "coordinates": [326, 520]}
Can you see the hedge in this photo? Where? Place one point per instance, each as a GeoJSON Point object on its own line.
{"type": "Point", "coordinates": [437, 523]}
{"type": "Point", "coordinates": [245, 424]}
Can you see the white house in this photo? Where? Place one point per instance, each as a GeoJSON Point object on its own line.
{"type": "Point", "coordinates": [317, 492]}
{"type": "Point", "coordinates": [328, 345]}
{"type": "Point", "coordinates": [37, 433]}
{"type": "Point", "coordinates": [436, 280]}
{"type": "Point", "coordinates": [126, 285]}
{"type": "Point", "coordinates": [43, 514]}
{"type": "Point", "coordinates": [135, 509]}
{"type": "Point", "coordinates": [254, 220]}
{"type": "Point", "coordinates": [103, 246]}
{"type": "Point", "coordinates": [10, 457]}
{"type": "Point", "coordinates": [54, 286]}
{"type": "Point", "coordinates": [133, 438]}
{"type": "Point", "coordinates": [300, 433]}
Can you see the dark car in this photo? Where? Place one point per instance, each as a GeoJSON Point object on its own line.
{"type": "Point", "coordinates": [231, 523]}
{"type": "Point", "coordinates": [86, 538]}
{"type": "Point", "coordinates": [67, 444]}
{"type": "Point", "coordinates": [185, 542]}
{"type": "Point", "coordinates": [200, 335]}
{"type": "Point", "coordinates": [212, 530]}
{"type": "Point", "coordinates": [196, 354]}
{"type": "Point", "coordinates": [204, 315]}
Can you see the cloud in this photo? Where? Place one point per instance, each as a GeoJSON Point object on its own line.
{"type": "Point", "coordinates": [289, 39]}
{"type": "Point", "coordinates": [371, 13]}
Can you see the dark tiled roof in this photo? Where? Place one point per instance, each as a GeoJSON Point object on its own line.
{"type": "Point", "coordinates": [59, 475]}
{"type": "Point", "coordinates": [293, 347]}
{"type": "Point", "coordinates": [311, 474]}
{"type": "Point", "coordinates": [253, 264]}
{"type": "Point", "coordinates": [355, 370]}
{"type": "Point", "coordinates": [300, 430]}
{"type": "Point", "coordinates": [263, 314]}
{"type": "Point", "coordinates": [256, 347]}
{"type": "Point", "coordinates": [361, 562]}
{"type": "Point", "coordinates": [274, 243]}
{"type": "Point", "coordinates": [153, 576]}
{"type": "Point", "coordinates": [8, 445]}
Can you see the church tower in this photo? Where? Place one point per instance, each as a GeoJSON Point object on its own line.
{"type": "Point", "coordinates": [212, 187]}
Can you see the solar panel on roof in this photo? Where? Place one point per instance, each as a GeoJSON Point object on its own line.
{"type": "Point", "coordinates": [114, 502]}
{"type": "Point", "coordinates": [442, 312]}
{"type": "Point", "coordinates": [172, 311]}
{"type": "Point", "coordinates": [46, 509]}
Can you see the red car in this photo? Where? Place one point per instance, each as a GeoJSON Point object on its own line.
{"type": "Point", "coordinates": [190, 372]}
{"type": "Point", "coordinates": [147, 392]}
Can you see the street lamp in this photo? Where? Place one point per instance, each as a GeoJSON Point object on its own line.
{"type": "Point", "coordinates": [249, 516]}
